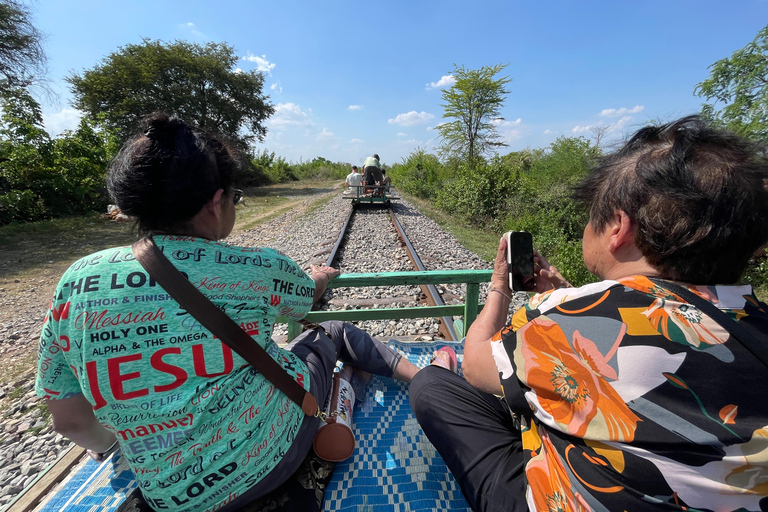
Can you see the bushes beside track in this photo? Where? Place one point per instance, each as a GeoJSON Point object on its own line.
{"type": "Point", "coordinates": [526, 190]}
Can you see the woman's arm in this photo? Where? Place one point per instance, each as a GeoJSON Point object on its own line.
{"type": "Point", "coordinates": [322, 275]}
{"type": "Point", "coordinates": [479, 366]}
{"type": "Point", "coordinates": [74, 419]}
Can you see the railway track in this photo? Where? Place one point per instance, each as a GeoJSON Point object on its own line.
{"type": "Point", "coordinates": [375, 236]}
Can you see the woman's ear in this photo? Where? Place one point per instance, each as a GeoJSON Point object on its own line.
{"type": "Point", "coordinates": [622, 230]}
{"type": "Point", "coordinates": [215, 205]}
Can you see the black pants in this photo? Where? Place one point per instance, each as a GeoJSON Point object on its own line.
{"type": "Point", "coordinates": [349, 345]}
{"type": "Point", "coordinates": [474, 433]}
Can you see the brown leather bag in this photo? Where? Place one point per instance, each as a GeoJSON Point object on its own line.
{"type": "Point", "coordinates": [333, 444]}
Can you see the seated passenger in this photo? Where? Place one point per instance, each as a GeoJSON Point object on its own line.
{"type": "Point", "coordinates": [626, 396]}
{"type": "Point", "coordinates": [386, 182]}
{"type": "Point", "coordinates": [372, 176]}
{"type": "Point", "coordinates": [133, 367]}
{"type": "Point", "coordinates": [354, 180]}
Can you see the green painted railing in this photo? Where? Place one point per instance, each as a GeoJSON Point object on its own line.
{"type": "Point", "coordinates": [469, 310]}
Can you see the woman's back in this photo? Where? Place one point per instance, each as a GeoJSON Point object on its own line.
{"type": "Point", "coordinates": [194, 420]}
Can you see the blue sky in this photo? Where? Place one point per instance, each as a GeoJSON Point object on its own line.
{"type": "Point", "coordinates": [349, 79]}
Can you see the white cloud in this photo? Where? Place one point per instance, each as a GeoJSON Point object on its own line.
{"type": "Point", "coordinates": [325, 134]}
{"type": "Point", "coordinates": [262, 64]}
{"type": "Point", "coordinates": [412, 118]}
{"type": "Point", "coordinates": [65, 119]}
{"type": "Point", "coordinates": [288, 115]}
{"type": "Point", "coordinates": [445, 81]}
{"type": "Point", "coordinates": [191, 28]}
{"type": "Point", "coordinates": [510, 135]}
{"type": "Point", "coordinates": [411, 142]}
{"type": "Point", "coordinates": [356, 141]}
{"type": "Point", "coordinates": [581, 129]}
{"type": "Point", "coordinates": [624, 121]}
{"type": "Point", "coordinates": [355, 107]}
{"type": "Point", "coordinates": [277, 87]}
{"type": "Point", "coordinates": [402, 134]}
{"type": "Point", "coordinates": [548, 132]}
{"type": "Point", "coordinates": [499, 122]}
{"type": "Point", "coordinates": [613, 112]}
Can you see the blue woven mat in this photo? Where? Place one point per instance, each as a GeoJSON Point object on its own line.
{"type": "Point", "coordinates": [394, 467]}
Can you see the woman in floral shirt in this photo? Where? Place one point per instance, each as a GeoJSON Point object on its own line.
{"type": "Point", "coordinates": [621, 395]}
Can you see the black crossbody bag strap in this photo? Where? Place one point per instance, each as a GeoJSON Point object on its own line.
{"type": "Point", "coordinates": [741, 332]}
{"type": "Point", "coordinates": [212, 318]}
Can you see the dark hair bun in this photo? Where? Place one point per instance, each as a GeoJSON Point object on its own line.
{"type": "Point", "coordinates": [167, 173]}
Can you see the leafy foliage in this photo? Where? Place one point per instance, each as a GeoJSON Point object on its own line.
{"type": "Point", "coordinates": [739, 83]}
{"type": "Point", "coordinates": [421, 174]}
{"type": "Point", "coordinates": [527, 190]}
{"type": "Point", "coordinates": [40, 177]}
{"type": "Point", "coordinates": [320, 168]}
{"type": "Point", "coordinates": [473, 103]}
{"type": "Point", "coordinates": [22, 59]}
{"type": "Point", "coordinates": [200, 83]}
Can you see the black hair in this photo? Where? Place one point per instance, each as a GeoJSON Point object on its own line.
{"type": "Point", "coordinates": [697, 194]}
{"type": "Point", "coordinates": [164, 175]}
{"type": "Point", "coordinates": [376, 156]}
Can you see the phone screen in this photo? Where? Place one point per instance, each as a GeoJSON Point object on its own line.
{"type": "Point", "coordinates": [520, 260]}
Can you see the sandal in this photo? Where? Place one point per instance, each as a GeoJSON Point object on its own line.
{"type": "Point", "coordinates": [453, 361]}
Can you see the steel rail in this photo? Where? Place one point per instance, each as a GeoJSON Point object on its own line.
{"type": "Point", "coordinates": [332, 256]}
{"type": "Point", "coordinates": [429, 293]}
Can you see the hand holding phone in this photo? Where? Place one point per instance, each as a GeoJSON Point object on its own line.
{"type": "Point", "coordinates": [520, 260]}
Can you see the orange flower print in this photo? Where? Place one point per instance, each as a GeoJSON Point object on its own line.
{"type": "Point", "coordinates": [684, 323]}
{"type": "Point", "coordinates": [549, 483]}
{"type": "Point", "coordinates": [571, 383]}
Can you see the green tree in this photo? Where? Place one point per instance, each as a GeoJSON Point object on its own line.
{"type": "Point", "coordinates": [739, 83]}
{"type": "Point", "coordinates": [22, 59]}
{"type": "Point", "coordinates": [41, 178]}
{"type": "Point", "coordinates": [200, 83]}
{"type": "Point", "coordinates": [473, 103]}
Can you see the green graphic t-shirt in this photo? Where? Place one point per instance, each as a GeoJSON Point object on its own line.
{"type": "Point", "coordinates": [196, 423]}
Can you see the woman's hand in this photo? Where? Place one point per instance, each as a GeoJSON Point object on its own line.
{"type": "Point", "coordinates": [547, 275]}
{"type": "Point", "coordinates": [322, 275]}
{"type": "Point", "coordinates": [318, 270]}
{"type": "Point", "coordinates": [500, 276]}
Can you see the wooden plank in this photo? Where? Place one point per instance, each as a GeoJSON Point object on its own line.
{"type": "Point", "coordinates": [29, 498]}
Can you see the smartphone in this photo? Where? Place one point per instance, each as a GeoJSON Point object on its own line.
{"type": "Point", "coordinates": [520, 260]}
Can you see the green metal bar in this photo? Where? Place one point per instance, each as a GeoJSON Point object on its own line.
{"type": "Point", "coordinates": [412, 278]}
{"type": "Point", "coordinates": [470, 307]}
{"type": "Point", "coordinates": [353, 315]}
{"type": "Point", "coordinates": [294, 328]}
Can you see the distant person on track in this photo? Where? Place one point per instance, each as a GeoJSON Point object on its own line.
{"type": "Point", "coordinates": [646, 390]}
{"type": "Point", "coordinates": [354, 180]}
{"type": "Point", "coordinates": [372, 176]}
{"type": "Point", "coordinates": [387, 181]}
{"type": "Point", "coordinates": [120, 361]}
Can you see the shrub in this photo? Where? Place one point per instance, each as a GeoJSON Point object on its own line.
{"type": "Point", "coordinates": [421, 174]}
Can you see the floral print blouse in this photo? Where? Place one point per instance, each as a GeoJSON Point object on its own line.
{"type": "Point", "coordinates": [631, 399]}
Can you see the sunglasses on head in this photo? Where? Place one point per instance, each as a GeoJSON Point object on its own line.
{"type": "Point", "coordinates": [237, 195]}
